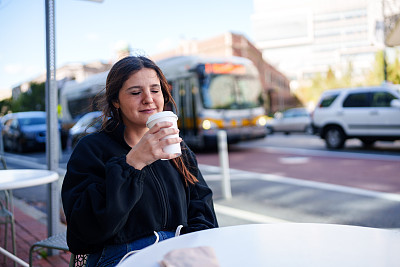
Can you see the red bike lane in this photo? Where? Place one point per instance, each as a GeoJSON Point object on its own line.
{"type": "Point", "coordinates": [382, 175]}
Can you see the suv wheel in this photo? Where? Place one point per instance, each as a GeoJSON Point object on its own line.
{"type": "Point", "coordinates": [334, 137]}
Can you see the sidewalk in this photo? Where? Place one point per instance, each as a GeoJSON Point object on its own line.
{"type": "Point", "coordinates": [29, 229]}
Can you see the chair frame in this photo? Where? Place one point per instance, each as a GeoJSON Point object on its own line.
{"type": "Point", "coordinates": [7, 211]}
{"type": "Point", "coordinates": [6, 218]}
{"type": "Point", "coordinates": [59, 242]}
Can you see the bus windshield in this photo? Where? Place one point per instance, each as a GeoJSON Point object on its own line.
{"type": "Point", "coordinates": [227, 91]}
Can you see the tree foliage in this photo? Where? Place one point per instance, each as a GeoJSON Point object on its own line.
{"type": "Point", "coordinates": [375, 76]}
{"type": "Point", "coordinates": [31, 100]}
{"type": "Point", "coordinates": [394, 70]}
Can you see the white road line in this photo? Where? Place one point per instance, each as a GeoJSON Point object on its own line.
{"type": "Point", "coordinates": [238, 174]}
{"type": "Point", "coordinates": [329, 153]}
{"type": "Point", "coordinates": [246, 215]}
{"type": "Point", "coordinates": [331, 187]}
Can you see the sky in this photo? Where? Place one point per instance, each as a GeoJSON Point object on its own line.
{"type": "Point", "coordinates": [89, 31]}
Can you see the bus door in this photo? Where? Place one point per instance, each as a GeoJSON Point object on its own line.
{"type": "Point", "coordinates": [193, 95]}
{"type": "Point", "coordinates": [187, 106]}
{"type": "Point", "coordinates": [180, 96]}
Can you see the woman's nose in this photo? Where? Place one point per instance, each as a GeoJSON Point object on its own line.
{"type": "Point", "coordinates": [147, 98]}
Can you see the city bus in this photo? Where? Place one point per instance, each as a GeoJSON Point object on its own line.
{"type": "Point", "coordinates": [211, 94]}
{"type": "Point", "coordinates": [214, 94]}
{"type": "Point", "coordinates": [77, 99]}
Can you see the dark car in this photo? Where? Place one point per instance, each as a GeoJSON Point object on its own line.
{"type": "Point", "coordinates": [290, 121]}
{"type": "Point", "coordinates": [23, 131]}
{"type": "Point", "coordinates": [88, 123]}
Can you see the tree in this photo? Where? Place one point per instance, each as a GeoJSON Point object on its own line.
{"type": "Point", "coordinates": [31, 100]}
{"type": "Point", "coordinates": [348, 75]}
{"type": "Point", "coordinates": [5, 106]}
{"type": "Point", "coordinates": [331, 81]}
{"type": "Point", "coordinates": [394, 70]}
{"type": "Point", "coordinates": [375, 76]}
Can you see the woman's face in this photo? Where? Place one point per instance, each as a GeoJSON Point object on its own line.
{"type": "Point", "coordinates": [140, 97]}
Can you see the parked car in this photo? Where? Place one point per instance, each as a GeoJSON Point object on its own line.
{"type": "Point", "coordinates": [23, 131]}
{"type": "Point", "coordinates": [290, 121]}
{"type": "Point", "coordinates": [366, 113]}
{"type": "Point", "coordinates": [88, 123]}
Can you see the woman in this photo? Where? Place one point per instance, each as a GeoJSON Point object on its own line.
{"type": "Point", "coordinates": [118, 196]}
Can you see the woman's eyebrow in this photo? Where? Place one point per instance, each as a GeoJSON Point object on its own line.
{"type": "Point", "coordinates": [134, 87]}
{"type": "Point", "coordinates": [139, 87]}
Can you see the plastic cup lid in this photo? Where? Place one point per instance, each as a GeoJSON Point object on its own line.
{"type": "Point", "coordinates": [161, 115]}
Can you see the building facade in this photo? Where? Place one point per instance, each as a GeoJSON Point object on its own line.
{"type": "Point", "coordinates": [276, 85]}
{"type": "Point", "coordinates": [302, 38]}
{"type": "Point", "coordinates": [69, 72]}
{"type": "Point", "coordinates": [391, 14]}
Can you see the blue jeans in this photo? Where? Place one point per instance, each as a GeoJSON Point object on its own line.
{"type": "Point", "coordinates": [112, 254]}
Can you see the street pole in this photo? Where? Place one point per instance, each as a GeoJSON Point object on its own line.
{"type": "Point", "coordinates": [52, 138]}
{"type": "Point", "coordinates": [224, 162]}
{"type": "Point", "coordinates": [2, 151]}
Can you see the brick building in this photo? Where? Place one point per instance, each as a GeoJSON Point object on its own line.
{"type": "Point", "coordinates": [275, 84]}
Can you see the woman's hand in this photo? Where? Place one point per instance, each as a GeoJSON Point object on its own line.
{"type": "Point", "coordinates": [150, 147]}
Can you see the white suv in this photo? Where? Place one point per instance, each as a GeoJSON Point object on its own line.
{"type": "Point", "coordinates": [366, 113]}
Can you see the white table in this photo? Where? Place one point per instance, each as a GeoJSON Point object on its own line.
{"type": "Point", "coordinates": [285, 245]}
{"type": "Point", "coordinates": [21, 178]}
{"type": "Point", "coordinates": [14, 179]}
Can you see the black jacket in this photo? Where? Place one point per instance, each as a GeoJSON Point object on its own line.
{"type": "Point", "coordinates": [106, 201]}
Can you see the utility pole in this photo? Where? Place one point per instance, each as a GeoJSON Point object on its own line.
{"type": "Point", "coordinates": [52, 136]}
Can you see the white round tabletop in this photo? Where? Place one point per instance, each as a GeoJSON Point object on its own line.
{"type": "Point", "coordinates": [20, 178]}
{"type": "Point", "coordinates": [285, 245]}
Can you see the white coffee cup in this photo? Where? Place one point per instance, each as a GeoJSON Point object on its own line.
{"type": "Point", "coordinates": [171, 117]}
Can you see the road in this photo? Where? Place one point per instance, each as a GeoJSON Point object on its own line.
{"type": "Point", "coordinates": [305, 157]}
{"type": "Point", "coordinates": [295, 179]}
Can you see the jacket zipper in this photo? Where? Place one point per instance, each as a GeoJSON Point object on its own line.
{"type": "Point", "coordinates": [163, 198]}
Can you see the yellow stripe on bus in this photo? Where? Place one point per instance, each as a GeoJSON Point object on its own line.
{"type": "Point", "coordinates": [221, 124]}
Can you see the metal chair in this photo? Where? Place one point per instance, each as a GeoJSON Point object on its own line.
{"type": "Point", "coordinates": [6, 209]}
{"type": "Point", "coordinates": [58, 241]}
{"type": "Point", "coordinates": [7, 218]}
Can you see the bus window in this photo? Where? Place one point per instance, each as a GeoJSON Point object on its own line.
{"type": "Point", "coordinates": [231, 92]}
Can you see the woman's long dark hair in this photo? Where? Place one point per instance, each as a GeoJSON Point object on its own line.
{"type": "Point", "coordinates": [119, 73]}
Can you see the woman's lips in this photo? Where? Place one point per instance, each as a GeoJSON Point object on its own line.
{"type": "Point", "coordinates": [148, 110]}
